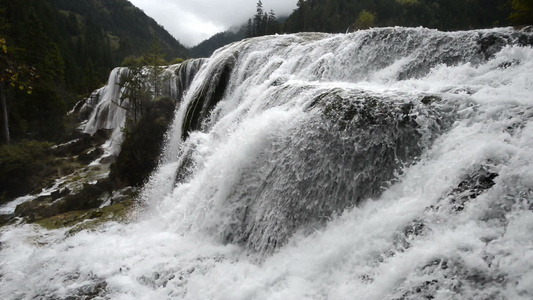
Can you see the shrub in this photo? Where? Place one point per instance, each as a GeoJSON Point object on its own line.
{"type": "Point", "coordinates": [20, 166]}
{"type": "Point", "coordinates": [142, 145]}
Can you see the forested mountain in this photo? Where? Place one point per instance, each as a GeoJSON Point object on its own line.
{"type": "Point", "coordinates": [124, 24]}
{"type": "Point", "coordinates": [207, 47]}
{"type": "Point", "coordinates": [262, 23]}
{"type": "Point", "coordinates": [344, 15]}
{"type": "Point", "coordinates": [71, 46]}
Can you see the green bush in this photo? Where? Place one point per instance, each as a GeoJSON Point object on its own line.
{"type": "Point", "coordinates": [20, 166]}
{"type": "Point", "coordinates": [142, 145]}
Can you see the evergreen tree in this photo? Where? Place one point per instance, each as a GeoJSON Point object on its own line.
{"type": "Point", "coordinates": [136, 93]}
{"type": "Point", "coordinates": [154, 59]}
{"type": "Point", "coordinates": [259, 23]}
{"type": "Point", "coordinates": [297, 21]}
{"type": "Point", "coordinates": [249, 29]}
{"type": "Point", "coordinates": [522, 13]}
{"type": "Point", "coordinates": [272, 23]}
{"type": "Point", "coordinates": [262, 23]}
{"type": "Point", "coordinates": [12, 75]}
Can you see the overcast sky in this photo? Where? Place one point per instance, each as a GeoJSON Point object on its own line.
{"type": "Point", "coordinates": [192, 21]}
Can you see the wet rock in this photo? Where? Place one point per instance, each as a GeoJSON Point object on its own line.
{"type": "Point", "coordinates": [82, 144]}
{"type": "Point", "coordinates": [428, 99]}
{"type": "Point", "coordinates": [127, 194]}
{"type": "Point", "coordinates": [33, 210]}
{"type": "Point", "coordinates": [279, 81]}
{"type": "Point", "coordinates": [64, 192]}
{"type": "Point", "coordinates": [90, 156]}
{"type": "Point", "coordinates": [45, 206]}
{"type": "Point", "coordinates": [55, 195]}
{"type": "Point", "coordinates": [426, 290]}
{"type": "Point", "coordinates": [527, 29]}
{"type": "Point", "coordinates": [208, 95]}
{"type": "Point", "coordinates": [59, 193]}
{"type": "Point", "coordinates": [458, 274]}
{"type": "Point", "coordinates": [94, 290]}
{"type": "Point", "coordinates": [508, 64]}
{"type": "Point", "coordinates": [108, 160]}
{"type": "Point", "coordinates": [491, 44]}
{"type": "Point", "coordinates": [117, 208]}
{"type": "Point", "coordinates": [6, 219]}
{"type": "Point", "coordinates": [471, 187]}
{"type": "Point", "coordinates": [402, 240]}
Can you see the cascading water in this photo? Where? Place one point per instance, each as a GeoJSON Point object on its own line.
{"type": "Point", "coordinates": [108, 109]}
{"type": "Point", "coordinates": [390, 163]}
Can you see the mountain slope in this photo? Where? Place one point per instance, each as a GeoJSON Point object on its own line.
{"type": "Point", "coordinates": [207, 47]}
{"type": "Point", "coordinates": [121, 19]}
{"type": "Point", "coordinates": [337, 16]}
{"type": "Point", "coordinates": [73, 45]}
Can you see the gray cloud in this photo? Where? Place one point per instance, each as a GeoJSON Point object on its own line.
{"type": "Point", "coordinates": [192, 21]}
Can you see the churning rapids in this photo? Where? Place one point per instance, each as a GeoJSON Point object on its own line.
{"type": "Point", "coordinates": [392, 163]}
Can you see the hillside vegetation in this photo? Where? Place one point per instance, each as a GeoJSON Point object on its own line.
{"type": "Point", "coordinates": [343, 15]}
{"type": "Point", "coordinates": [70, 47]}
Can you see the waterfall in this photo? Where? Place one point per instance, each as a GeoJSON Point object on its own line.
{"type": "Point", "coordinates": [390, 163]}
{"type": "Point", "coordinates": [105, 103]}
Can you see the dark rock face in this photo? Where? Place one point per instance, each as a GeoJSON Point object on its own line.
{"type": "Point", "coordinates": [347, 152]}
{"type": "Point", "coordinates": [87, 157]}
{"type": "Point", "coordinates": [209, 94]}
{"type": "Point", "coordinates": [6, 219]}
{"type": "Point", "coordinates": [82, 145]}
{"type": "Point", "coordinates": [185, 74]}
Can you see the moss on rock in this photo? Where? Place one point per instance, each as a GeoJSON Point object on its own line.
{"type": "Point", "coordinates": [45, 206]}
{"type": "Point", "coordinates": [89, 219]}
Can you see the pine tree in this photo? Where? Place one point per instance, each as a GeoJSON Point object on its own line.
{"type": "Point", "coordinates": [249, 29]}
{"type": "Point", "coordinates": [259, 23]}
{"type": "Point", "coordinates": [522, 13]}
{"type": "Point", "coordinates": [135, 93]}
{"type": "Point", "coordinates": [302, 12]}
{"type": "Point", "coordinates": [272, 23]}
{"type": "Point", "coordinates": [262, 23]}
{"type": "Point", "coordinates": [154, 59]}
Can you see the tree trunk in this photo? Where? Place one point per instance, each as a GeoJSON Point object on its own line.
{"type": "Point", "coordinates": [5, 123]}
